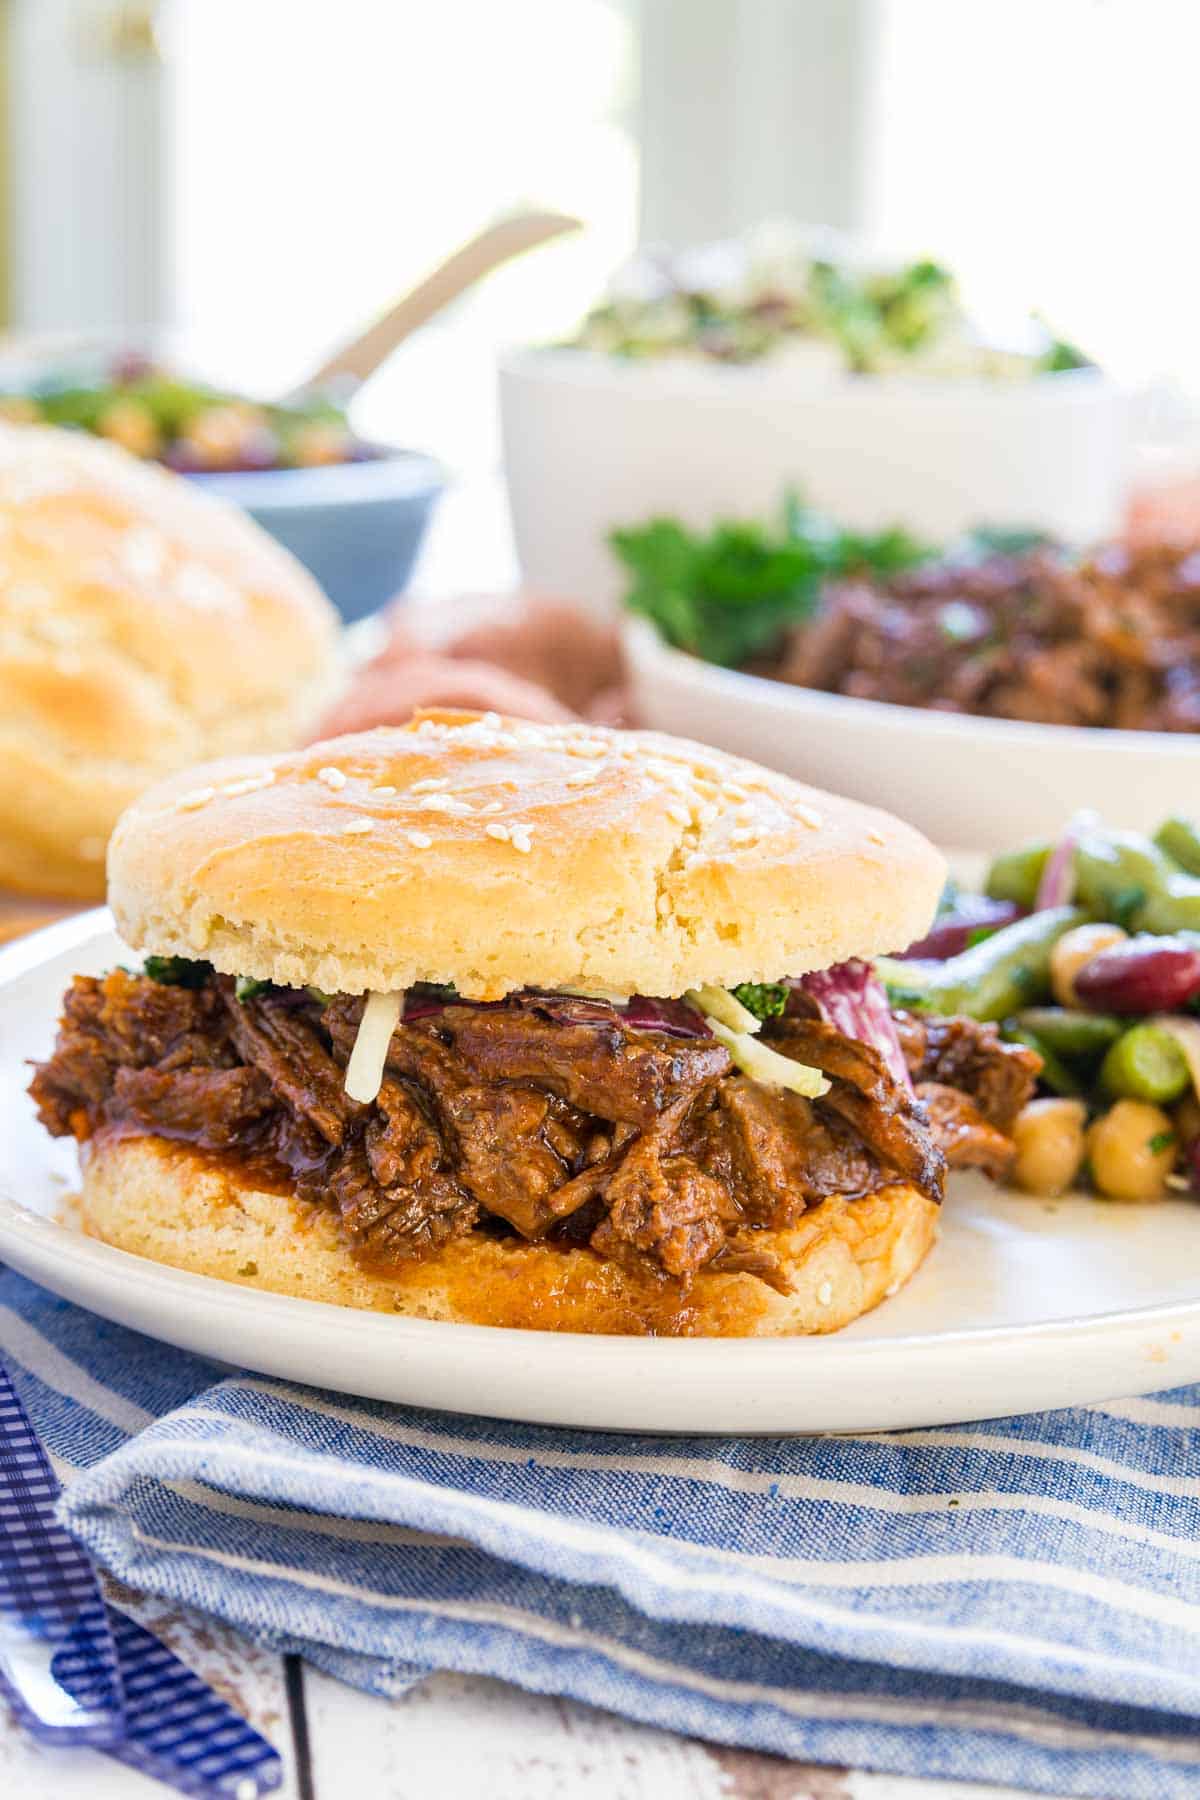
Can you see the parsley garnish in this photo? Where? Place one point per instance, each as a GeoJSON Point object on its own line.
{"type": "Point", "coordinates": [177, 971]}
{"type": "Point", "coordinates": [730, 594]}
{"type": "Point", "coordinates": [766, 1000]}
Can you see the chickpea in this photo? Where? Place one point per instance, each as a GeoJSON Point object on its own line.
{"type": "Point", "coordinates": [220, 435]}
{"type": "Point", "coordinates": [131, 424]}
{"type": "Point", "coordinates": [319, 441]}
{"type": "Point", "coordinates": [1132, 1149]}
{"type": "Point", "coordinates": [1049, 1139]}
{"type": "Point", "coordinates": [1073, 950]}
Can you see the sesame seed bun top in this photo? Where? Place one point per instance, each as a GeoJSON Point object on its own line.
{"type": "Point", "coordinates": [496, 855]}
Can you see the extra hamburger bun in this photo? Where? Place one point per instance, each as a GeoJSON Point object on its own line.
{"type": "Point", "coordinates": [497, 855]}
{"type": "Point", "coordinates": [175, 1206]}
{"type": "Point", "coordinates": [143, 625]}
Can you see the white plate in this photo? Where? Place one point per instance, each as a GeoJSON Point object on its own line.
{"type": "Point", "coordinates": [1022, 1305]}
{"type": "Point", "coordinates": [980, 783]}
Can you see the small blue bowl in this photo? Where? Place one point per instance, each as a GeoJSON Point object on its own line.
{"type": "Point", "coordinates": [357, 526]}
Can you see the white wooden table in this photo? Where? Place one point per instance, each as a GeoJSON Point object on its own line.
{"type": "Point", "coordinates": [455, 1737]}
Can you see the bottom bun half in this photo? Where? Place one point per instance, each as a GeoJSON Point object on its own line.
{"type": "Point", "coordinates": [174, 1205]}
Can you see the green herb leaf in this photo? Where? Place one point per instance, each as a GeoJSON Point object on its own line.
{"type": "Point", "coordinates": [730, 594]}
{"type": "Point", "coordinates": [1162, 1140]}
{"type": "Point", "coordinates": [1062, 355]}
{"type": "Point", "coordinates": [766, 1000]}
{"type": "Point", "coordinates": [245, 987]}
{"type": "Point", "coordinates": [177, 971]}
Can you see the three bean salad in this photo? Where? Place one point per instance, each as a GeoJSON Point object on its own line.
{"type": "Point", "coordinates": [1087, 951]}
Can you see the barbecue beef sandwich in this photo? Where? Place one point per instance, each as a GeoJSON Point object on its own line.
{"type": "Point", "coordinates": [143, 625]}
{"type": "Point", "coordinates": [530, 1025]}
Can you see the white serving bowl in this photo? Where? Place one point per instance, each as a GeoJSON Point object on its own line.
{"type": "Point", "coordinates": [977, 784]}
{"type": "Point", "coordinates": [592, 442]}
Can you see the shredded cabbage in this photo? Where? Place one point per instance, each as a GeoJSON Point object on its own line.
{"type": "Point", "coordinates": [765, 1065]}
{"type": "Point", "coordinates": [364, 1071]}
{"type": "Point", "coordinates": [718, 1003]}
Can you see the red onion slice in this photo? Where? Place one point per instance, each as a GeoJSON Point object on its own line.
{"type": "Point", "coordinates": [1057, 886]}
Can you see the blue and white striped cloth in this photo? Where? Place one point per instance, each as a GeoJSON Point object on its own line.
{"type": "Point", "coordinates": [1014, 1602]}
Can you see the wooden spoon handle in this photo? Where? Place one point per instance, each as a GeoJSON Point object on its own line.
{"type": "Point", "coordinates": [362, 355]}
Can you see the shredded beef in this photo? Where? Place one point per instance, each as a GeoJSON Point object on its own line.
{"type": "Point", "coordinates": [216, 1104]}
{"type": "Point", "coordinates": [1111, 639]}
{"type": "Point", "coordinates": [864, 1093]}
{"type": "Point", "coordinates": [965, 1137]}
{"type": "Point", "coordinates": [553, 1119]}
{"type": "Point", "coordinates": [779, 1154]}
{"type": "Point", "coordinates": [963, 1053]}
{"type": "Point", "coordinates": [599, 1066]}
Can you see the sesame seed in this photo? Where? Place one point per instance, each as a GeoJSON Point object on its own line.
{"type": "Point", "coordinates": [354, 827]}
{"type": "Point", "coordinates": [745, 834]}
{"type": "Point", "coordinates": [428, 786]}
{"type": "Point", "coordinates": [385, 792]}
{"type": "Point", "coordinates": [584, 778]}
{"type": "Point", "coordinates": [825, 1293]}
{"type": "Point", "coordinates": [520, 840]}
{"type": "Point", "coordinates": [678, 814]}
{"type": "Point", "coordinates": [733, 792]}
{"type": "Point", "coordinates": [197, 797]}
{"type": "Point", "coordinates": [444, 803]}
{"type": "Point", "coordinates": [249, 784]}
{"type": "Point", "coordinates": [663, 904]}
{"type": "Point", "coordinates": [499, 832]}
{"type": "Point", "coordinates": [808, 816]}
{"type": "Point", "coordinates": [491, 720]}
{"type": "Point", "coordinates": [493, 806]}
{"type": "Point", "coordinates": [876, 837]}
{"type": "Point", "coordinates": [420, 840]}
{"type": "Point", "coordinates": [889, 1293]}
{"type": "Point", "coordinates": [333, 778]}
{"type": "Point", "coordinates": [586, 747]}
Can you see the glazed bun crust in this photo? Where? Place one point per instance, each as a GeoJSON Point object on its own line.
{"type": "Point", "coordinates": [171, 1204]}
{"type": "Point", "coordinates": [143, 625]}
{"type": "Point", "coordinates": [498, 855]}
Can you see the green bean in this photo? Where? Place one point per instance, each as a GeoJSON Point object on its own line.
{"type": "Point", "coordinates": [1145, 1063]}
{"type": "Point", "coordinates": [1180, 840]}
{"type": "Point", "coordinates": [1116, 872]}
{"type": "Point", "coordinates": [1070, 1033]}
{"type": "Point", "coordinates": [1017, 873]}
{"type": "Point", "coordinates": [1121, 875]}
{"type": "Point", "coordinates": [992, 980]}
{"type": "Point", "coordinates": [1176, 908]}
{"type": "Point", "coordinates": [1055, 1073]}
